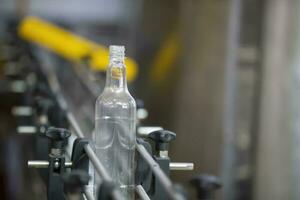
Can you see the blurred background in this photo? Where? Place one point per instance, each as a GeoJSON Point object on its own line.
{"type": "Point", "coordinates": [224, 75]}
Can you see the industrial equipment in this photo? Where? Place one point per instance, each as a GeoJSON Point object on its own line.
{"type": "Point", "coordinates": [55, 111]}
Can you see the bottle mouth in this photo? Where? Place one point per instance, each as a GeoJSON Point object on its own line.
{"type": "Point", "coordinates": [116, 51]}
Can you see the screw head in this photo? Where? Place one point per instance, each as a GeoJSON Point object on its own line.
{"type": "Point", "coordinates": [56, 165]}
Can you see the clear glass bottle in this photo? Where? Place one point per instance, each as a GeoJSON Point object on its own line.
{"type": "Point", "coordinates": [115, 128]}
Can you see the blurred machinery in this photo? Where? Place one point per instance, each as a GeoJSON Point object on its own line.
{"type": "Point", "coordinates": [51, 105]}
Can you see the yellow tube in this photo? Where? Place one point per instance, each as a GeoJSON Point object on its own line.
{"type": "Point", "coordinates": [166, 57]}
{"type": "Point", "coordinates": [69, 45]}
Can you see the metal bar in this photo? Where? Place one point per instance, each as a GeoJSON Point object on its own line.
{"type": "Point", "coordinates": [44, 164]}
{"type": "Point", "coordinates": [18, 86]}
{"type": "Point", "coordinates": [38, 164]}
{"type": "Point", "coordinates": [181, 166]}
{"type": "Point", "coordinates": [23, 111]}
{"type": "Point", "coordinates": [88, 195]}
{"type": "Point", "coordinates": [97, 164]}
{"type": "Point", "coordinates": [160, 175]}
{"type": "Point", "coordinates": [26, 129]}
{"type": "Point", "coordinates": [142, 193]}
{"type": "Point", "coordinates": [230, 98]}
{"type": "Point", "coordinates": [279, 105]}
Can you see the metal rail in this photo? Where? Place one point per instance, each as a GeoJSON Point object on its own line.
{"type": "Point", "coordinates": [141, 192]}
{"type": "Point", "coordinates": [88, 195]}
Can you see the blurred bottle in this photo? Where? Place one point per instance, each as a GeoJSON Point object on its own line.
{"type": "Point", "coordinates": [115, 125]}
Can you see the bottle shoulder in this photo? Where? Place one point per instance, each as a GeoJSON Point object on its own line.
{"type": "Point", "coordinates": [116, 97]}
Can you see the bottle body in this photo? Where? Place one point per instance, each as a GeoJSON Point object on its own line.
{"type": "Point", "coordinates": [115, 131]}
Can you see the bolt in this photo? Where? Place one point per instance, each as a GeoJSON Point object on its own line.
{"type": "Point", "coordinates": [56, 165]}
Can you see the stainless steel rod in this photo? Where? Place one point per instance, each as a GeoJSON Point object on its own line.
{"type": "Point", "coordinates": [22, 111]}
{"type": "Point", "coordinates": [142, 193]}
{"type": "Point", "coordinates": [229, 118]}
{"type": "Point", "coordinates": [26, 129]}
{"type": "Point", "coordinates": [43, 164]}
{"type": "Point", "coordinates": [181, 166]}
{"type": "Point", "coordinates": [160, 175]}
{"type": "Point", "coordinates": [97, 164]}
{"type": "Point", "coordinates": [38, 163]}
{"type": "Point", "coordinates": [88, 195]}
{"type": "Point", "coordinates": [89, 151]}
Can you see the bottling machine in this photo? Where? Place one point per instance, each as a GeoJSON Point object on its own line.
{"type": "Point", "coordinates": [53, 106]}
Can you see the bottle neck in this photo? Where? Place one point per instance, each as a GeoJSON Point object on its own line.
{"type": "Point", "coordinates": [116, 75]}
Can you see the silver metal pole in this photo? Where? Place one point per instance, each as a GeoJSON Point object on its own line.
{"type": "Point", "coordinates": [229, 114]}
{"type": "Point", "coordinates": [160, 175]}
{"type": "Point", "coordinates": [276, 148]}
{"type": "Point", "coordinates": [88, 195]}
{"type": "Point", "coordinates": [38, 163]}
{"type": "Point", "coordinates": [43, 164]}
{"type": "Point", "coordinates": [141, 192]}
{"type": "Point", "coordinates": [181, 166]}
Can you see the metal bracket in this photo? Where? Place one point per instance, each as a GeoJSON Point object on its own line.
{"type": "Point", "coordinates": [55, 184]}
{"type": "Point", "coordinates": [105, 190]}
{"type": "Point", "coordinates": [79, 158]}
{"type": "Point", "coordinates": [143, 171]}
{"type": "Point", "coordinates": [157, 192]}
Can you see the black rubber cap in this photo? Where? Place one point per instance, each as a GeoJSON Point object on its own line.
{"type": "Point", "coordinates": [58, 136]}
{"type": "Point", "coordinates": [206, 184]}
{"type": "Point", "coordinates": [75, 181]}
{"type": "Point", "coordinates": [162, 139]}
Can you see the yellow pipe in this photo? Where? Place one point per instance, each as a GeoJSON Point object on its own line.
{"type": "Point", "coordinates": [69, 45]}
{"type": "Point", "coordinates": [165, 59]}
